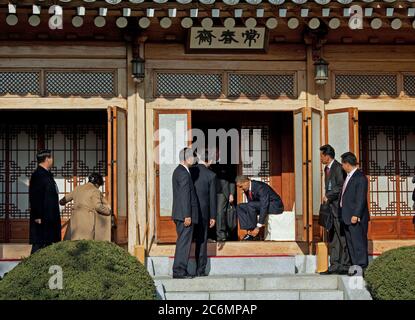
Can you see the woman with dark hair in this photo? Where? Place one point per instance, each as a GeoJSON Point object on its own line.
{"type": "Point", "coordinates": [91, 216]}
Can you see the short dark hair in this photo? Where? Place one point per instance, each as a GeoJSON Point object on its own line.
{"type": "Point", "coordinates": [96, 178]}
{"type": "Point", "coordinates": [328, 150]}
{"type": "Point", "coordinates": [42, 155]}
{"type": "Point", "coordinates": [349, 158]}
{"type": "Point", "coordinates": [186, 153]}
{"type": "Point", "coordinates": [241, 178]}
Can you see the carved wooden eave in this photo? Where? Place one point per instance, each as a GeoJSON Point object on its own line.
{"type": "Point", "coordinates": [169, 20]}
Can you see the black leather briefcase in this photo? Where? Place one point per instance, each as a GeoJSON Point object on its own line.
{"type": "Point", "coordinates": [325, 217]}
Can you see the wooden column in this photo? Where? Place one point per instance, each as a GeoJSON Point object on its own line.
{"type": "Point", "coordinates": [137, 193]}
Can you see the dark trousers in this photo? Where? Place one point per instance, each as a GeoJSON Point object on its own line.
{"type": "Point", "coordinates": [221, 217]}
{"type": "Point", "coordinates": [201, 237]}
{"type": "Point", "coordinates": [183, 245]}
{"type": "Point", "coordinates": [247, 214]}
{"type": "Point", "coordinates": [38, 246]}
{"type": "Point", "coordinates": [339, 254]}
{"type": "Point", "coordinates": [356, 237]}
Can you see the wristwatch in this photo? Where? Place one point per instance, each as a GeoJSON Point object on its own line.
{"type": "Point", "coordinates": [258, 225]}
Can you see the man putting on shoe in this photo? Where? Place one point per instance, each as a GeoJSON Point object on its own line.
{"type": "Point", "coordinates": [262, 200]}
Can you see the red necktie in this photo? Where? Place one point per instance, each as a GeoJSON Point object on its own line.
{"type": "Point", "coordinates": [248, 195]}
{"type": "Point", "coordinates": [326, 170]}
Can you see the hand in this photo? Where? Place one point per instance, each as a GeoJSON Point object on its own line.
{"type": "Point", "coordinates": [231, 198]}
{"type": "Point", "coordinates": [325, 199]}
{"type": "Point", "coordinates": [62, 201]}
{"type": "Point", "coordinates": [355, 219]}
{"type": "Point", "coordinates": [187, 222]}
{"type": "Point", "coordinates": [212, 223]}
{"type": "Point", "coordinates": [254, 232]}
{"type": "Point", "coordinates": [38, 221]}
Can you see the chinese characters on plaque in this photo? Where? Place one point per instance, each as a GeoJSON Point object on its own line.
{"type": "Point", "coordinates": [227, 38]}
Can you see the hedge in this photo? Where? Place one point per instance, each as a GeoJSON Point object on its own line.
{"type": "Point", "coordinates": [91, 270]}
{"type": "Point", "coordinates": [391, 276]}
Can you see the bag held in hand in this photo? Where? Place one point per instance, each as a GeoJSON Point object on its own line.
{"type": "Point", "coordinates": [325, 218]}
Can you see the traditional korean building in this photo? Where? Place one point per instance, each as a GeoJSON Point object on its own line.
{"type": "Point", "coordinates": [96, 80]}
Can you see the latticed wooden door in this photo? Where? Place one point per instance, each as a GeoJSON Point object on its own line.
{"type": "Point", "coordinates": [388, 159]}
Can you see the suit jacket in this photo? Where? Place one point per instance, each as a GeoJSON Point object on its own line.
{"type": "Point", "coordinates": [333, 186]}
{"type": "Point", "coordinates": [270, 201]}
{"type": "Point", "coordinates": [354, 199]}
{"type": "Point", "coordinates": [91, 215]}
{"type": "Point", "coordinates": [184, 196]}
{"type": "Point", "coordinates": [44, 205]}
{"type": "Point", "coordinates": [205, 185]}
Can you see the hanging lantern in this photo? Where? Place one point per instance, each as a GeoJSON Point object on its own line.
{"type": "Point", "coordinates": [322, 71]}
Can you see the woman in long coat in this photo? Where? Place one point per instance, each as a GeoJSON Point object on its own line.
{"type": "Point", "coordinates": [91, 216]}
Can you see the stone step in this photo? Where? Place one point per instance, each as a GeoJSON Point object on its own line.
{"type": "Point", "coordinates": [248, 283]}
{"type": "Point", "coordinates": [217, 265]}
{"type": "Point", "coordinates": [258, 295]}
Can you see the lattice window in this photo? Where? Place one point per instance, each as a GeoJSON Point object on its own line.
{"type": "Point", "coordinates": [72, 169]}
{"type": "Point", "coordinates": [22, 149]}
{"type": "Point", "coordinates": [255, 152]}
{"type": "Point", "coordinates": [366, 85]}
{"type": "Point", "coordinates": [20, 83]}
{"type": "Point", "coordinates": [406, 147]}
{"type": "Point", "coordinates": [390, 164]}
{"type": "Point", "coordinates": [189, 84]}
{"type": "Point", "coordinates": [409, 85]}
{"type": "Point", "coordinates": [3, 147]}
{"type": "Point", "coordinates": [256, 85]}
{"type": "Point", "coordinates": [78, 150]}
{"type": "Point", "coordinates": [89, 83]}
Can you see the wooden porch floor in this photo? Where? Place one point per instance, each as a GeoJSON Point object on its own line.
{"type": "Point", "coordinates": [13, 251]}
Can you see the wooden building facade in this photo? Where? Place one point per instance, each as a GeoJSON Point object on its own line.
{"type": "Point", "coordinates": [67, 82]}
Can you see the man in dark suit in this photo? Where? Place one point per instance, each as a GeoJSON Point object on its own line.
{"type": "Point", "coordinates": [205, 185]}
{"type": "Point", "coordinates": [45, 220]}
{"type": "Point", "coordinates": [354, 210]}
{"type": "Point", "coordinates": [184, 213]}
{"type": "Point", "coordinates": [333, 180]}
{"type": "Point", "coordinates": [262, 200]}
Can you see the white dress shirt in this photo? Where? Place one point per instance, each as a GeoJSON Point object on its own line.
{"type": "Point", "coordinates": [186, 167]}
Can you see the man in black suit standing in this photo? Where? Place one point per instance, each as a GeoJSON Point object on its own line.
{"type": "Point", "coordinates": [205, 185]}
{"type": "Point", "coordinates": [333, 180]}
{"type": "Point", "coordinates": [262, 200]}
{"type": "Point", "coordinates": [45, 219]}
{"type": "Point", "coordinates": [184, 213]}
{"type": "Point", "coordinates": [354, 211]}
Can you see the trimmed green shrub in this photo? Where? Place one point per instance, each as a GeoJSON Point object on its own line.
{"type": "Point", "coordinates": [91, 270]}
{"type": "Point", "coordinates": [391, 276]}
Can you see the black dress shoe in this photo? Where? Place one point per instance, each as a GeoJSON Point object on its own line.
{"type": "Point", "coordinates": [329, 272]}
{"type": "Point", "coordinates": [325, 272]}
{"type": "Point", "coordinates": [201, 274]}
{"type": "Point", "coordinates": [186, 276]}
{"type": "Point", "coordinates": [342, 272]}
{"type": "Point", "coordinates": [248, 237]}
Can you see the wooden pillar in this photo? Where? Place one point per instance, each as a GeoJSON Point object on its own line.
{"type": "Point", "coordinates": [137, 180]}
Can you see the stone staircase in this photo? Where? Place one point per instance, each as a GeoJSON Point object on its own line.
{"type": "Point", "coordinates": [251, 287]}
{"type": "Point", "coordinates": [250, 278]}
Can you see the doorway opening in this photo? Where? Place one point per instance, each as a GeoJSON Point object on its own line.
{"type": "Point", "coordinates": [271, 160]}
